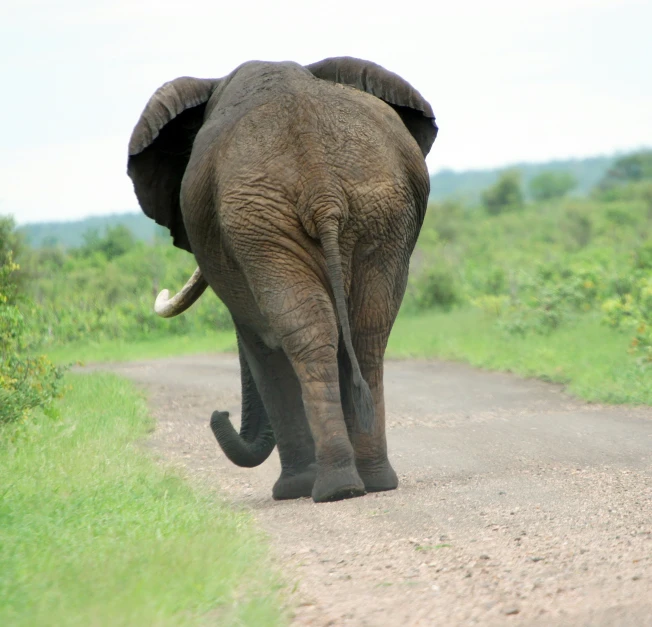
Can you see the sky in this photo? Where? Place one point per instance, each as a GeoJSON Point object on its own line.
{"type": "Point", "coordinates": [509, 81]}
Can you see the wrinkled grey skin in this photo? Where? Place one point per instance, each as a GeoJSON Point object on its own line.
{"type": "Point", "coordinates": [300, 191]}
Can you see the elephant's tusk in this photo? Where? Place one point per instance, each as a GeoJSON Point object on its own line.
{"type": "Point", "coordinates": [167, 307]}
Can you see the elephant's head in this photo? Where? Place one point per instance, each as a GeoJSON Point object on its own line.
{"type": "Point", "coordinates": [161, 143]}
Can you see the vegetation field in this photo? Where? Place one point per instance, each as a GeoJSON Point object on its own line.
{"type": "Point", "coordinates": [591, 360]}
{"type": "Point", "coordinates": [530, 279]}
{"type": "Point", "coordinates": [559, 288]}
{"type": "Point", "coordinates": [93, 532]}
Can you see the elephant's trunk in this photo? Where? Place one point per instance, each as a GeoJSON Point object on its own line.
{"type": "Point", "coordinates": [362, 400]}
{"type": "Point", "coordinates": [256, 441]}
{"type": "Point", "coordinates": [242, 452]}
{"type": "Point", "coordinates": [167, 307]}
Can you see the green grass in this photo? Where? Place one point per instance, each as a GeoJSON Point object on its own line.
{"type": "Point", "coordinates": [93, 532]}
{"type": "Point", "coordinates": [590, 358]}
{"type": "Point", "coordinates": [147, 348]}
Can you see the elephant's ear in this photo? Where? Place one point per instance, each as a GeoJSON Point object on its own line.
{"type": "Point", "coordinates": [412, 107]}
{"type": "Point", "coordinates": [159, 149]}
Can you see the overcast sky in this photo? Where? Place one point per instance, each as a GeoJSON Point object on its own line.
{"type": "Point", "coordinates": [508, 80]}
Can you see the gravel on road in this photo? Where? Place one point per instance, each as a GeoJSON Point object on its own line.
{"type": "Point", "coordinates": [517, 504]}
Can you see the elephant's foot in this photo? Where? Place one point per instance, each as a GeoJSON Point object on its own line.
{"type": "Point", "coordinates": [295, 486]}
{"type": "Point", "coordinates": [335, 484]}
{"type": "Point", "coordinates": [377, 477]}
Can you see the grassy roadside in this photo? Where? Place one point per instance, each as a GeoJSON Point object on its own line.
{"type": "Point", "coordinates": [589, 357]}
{"type": "Point", "coordinates": [146, 348]}
{"type": "Point", "coordinates": [92, 532]}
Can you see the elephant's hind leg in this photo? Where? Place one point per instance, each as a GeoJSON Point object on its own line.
{"type": "Point", "coordinates": [308, 331]}
{"type": "Point", "coordinates": [317, 370]}
{"type": "Point", "coordinates": [371, 457]}
{"type": "Point", "coordinates": [376, 296]}
{"type": "Point", "coordinates": [288, 287]}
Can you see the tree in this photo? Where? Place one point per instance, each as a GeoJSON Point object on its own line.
{"type": "Point", "coordinates": [630, 169]}
{"type": "Point", "coordinates": [551, 184]}
{"type": "Point", "coordinates": [505, 195]}
{"type": "Point", "coordinates": [117, 241]}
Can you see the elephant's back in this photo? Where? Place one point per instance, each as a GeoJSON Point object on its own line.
{"type": "Point", "coordinates": [310, 142]}
{"type": "Point", "coordinates": [315, 128]}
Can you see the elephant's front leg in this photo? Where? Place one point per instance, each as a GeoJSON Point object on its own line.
{"type": "Point", "coordinates": [280, 392]}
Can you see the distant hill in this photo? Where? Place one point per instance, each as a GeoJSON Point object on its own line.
{"type": "Point", "coordinates": [468, 185]}
{"type": "Point", "coordinates": [71, 234]}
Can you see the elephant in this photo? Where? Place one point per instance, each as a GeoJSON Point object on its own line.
{"type": "Point", "coordinates": [300, 191]}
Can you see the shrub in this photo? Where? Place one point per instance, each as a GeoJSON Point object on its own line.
{"type": "Point", "coordinates": [117, 241]}
{"type": "Point", "coordinates": [646, 195]}
{"type": "Point", "coordinates": [642, 256]}
{"type": "Point", "coordinates": [446, 218]}
{"type": "Point", "coordinates": [541, 311]}
{"type": "Point", "coordinates": [628, 169]}
{"type": "Point", "coordinates": [505, 195]}
{"type": "Point", "coordinates": [550, 185]}
{"type": "Point", "coordinates": [578, 225]}
{"type": "Point", "coordinates": [25, 382]}
{"type": "Point", "coordinates": [491, 304]}
{"type": "Point", "coordinates": [113, 298]}
{"type": "Point", "coordinates": [435, 288]}
{"type": "Point", "coordinates": [633, 312]}
{"type": "Point", "coordinates": [552, 296]}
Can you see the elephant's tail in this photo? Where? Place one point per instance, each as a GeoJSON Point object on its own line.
{"type": "Point", "coordinates": [362, 399]}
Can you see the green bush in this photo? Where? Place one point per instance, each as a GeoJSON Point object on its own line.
{"type": "Point", "coordinates": [106, 291]}
{"type": "Point", "coordinates": [26, 382]}
{"type": "Point", "coordinates": [631, 309]}
{"type": "Point", "coordinates": [578, 226]}
{"type": "Point", "coordinates": [549, 298]}
{"type": "Point", "coordinates": [117, 241]}
{"type": "Point", "coordinates": [646, 195]}
{"type": "Point", "coordinates": [505, 195]}
{"type": "Point", "coordinates": [446, 218]}
{"type": "Point", "coordinates": [534, 272]}
{"type": "Point", "coordinates": [631, 168]}
{"type": "Point", "coordinates": [633, 191]}
{"type": "Point", "coordinates": [551, 185]}
{"type": "Point", "coordinates": [437, 287]}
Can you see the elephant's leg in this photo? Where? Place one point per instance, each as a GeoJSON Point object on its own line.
{"type": "Point", "coordinates": [290, 293]}
{"type": "Point", "coordinates": [280, 392]}
{"type": "Point", "coordinates": [375, 300]}
{"type": "Point", "coordinates": [308, 331]}
{"type": "Point", "coordinates": [370, 448]}
{"type": "Point", "coordinates": [337, 475]}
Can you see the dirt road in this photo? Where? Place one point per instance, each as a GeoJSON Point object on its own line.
{"type": "Point", "coordinates": [517, 505]}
